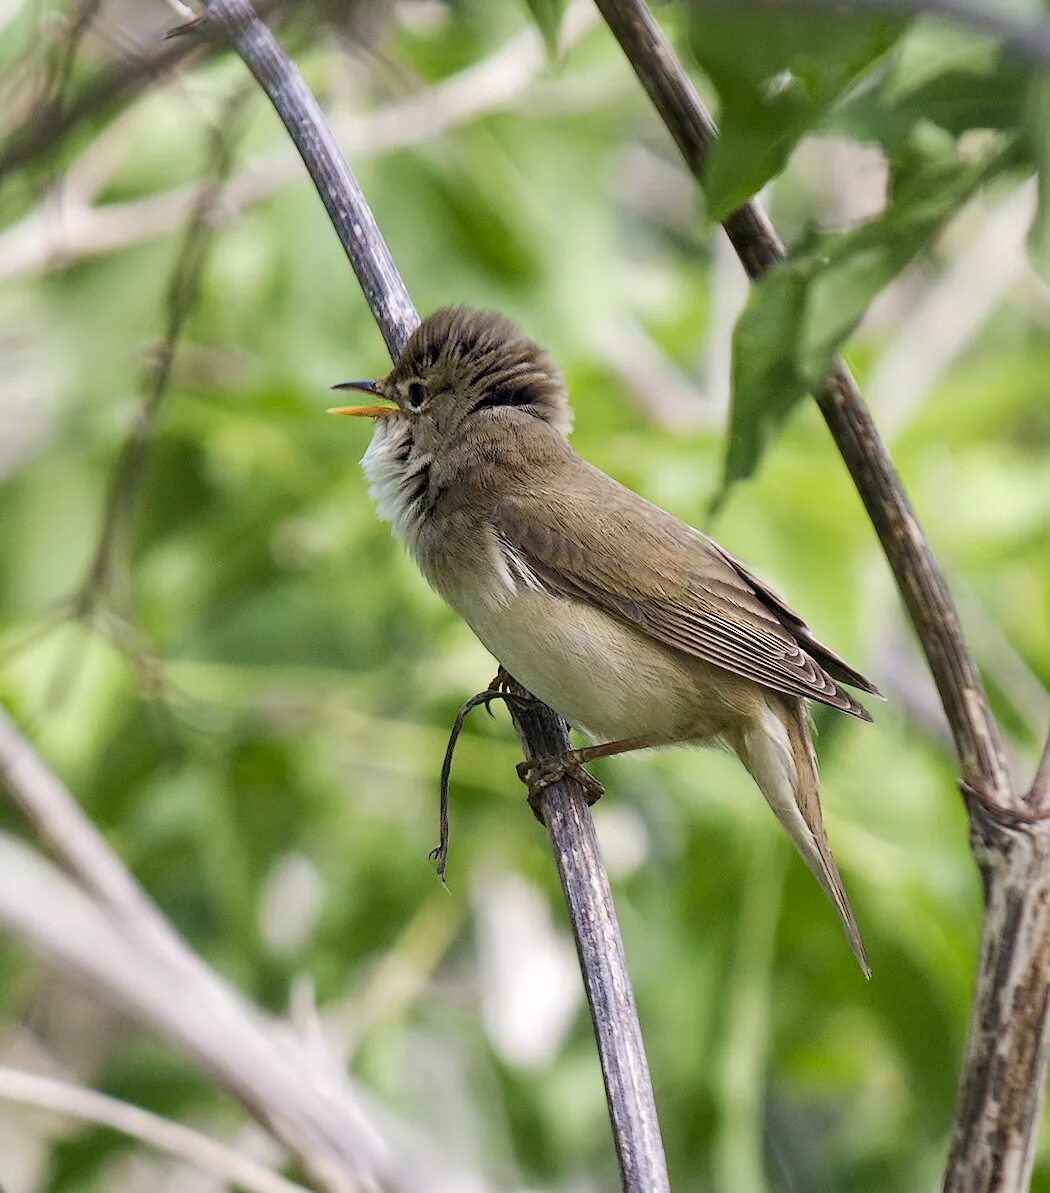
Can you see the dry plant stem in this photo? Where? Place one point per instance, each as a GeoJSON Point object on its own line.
{"type": "Point", "coordinates": [136, 959]}
{"type": "Point", "coordinates": [66, 226]}
{"type": "Point", "coordinates": [217, 1159]}
{"type": "Point", "coordinates": [543, 733]}
{"type": "Point", "coordinates": [1003, 1078]}
{"type": "Point", "coordinates": [1004, 1070]}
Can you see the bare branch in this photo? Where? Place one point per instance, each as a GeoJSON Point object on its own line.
{"type": "Point", "coordinates": [542, 732]}
{"type": "Point", "coordinates": [229, 1165]}
{"type": "Point", "coordinates": [73, 839]}
{"type": "Point", "coordinates": [344, 201]}
{"type": "Point", "coordinates": [207, 1020]}
{"type": "Point", "coordinates": [599, 945]}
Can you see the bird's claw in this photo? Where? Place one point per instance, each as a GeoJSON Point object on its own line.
{"type": "Point", "coordinates": [540, 773]}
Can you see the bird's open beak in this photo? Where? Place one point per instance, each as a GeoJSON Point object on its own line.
{"type": "Point", "coordinates": [367, 387]}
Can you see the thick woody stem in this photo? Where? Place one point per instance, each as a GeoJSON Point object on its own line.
{"type": "Point", "coordinates": [542, 732]}
{"type": "Point", "coordinates": [1003, 1082]}
{"type": "Point", "coordinates": [1004, 1070]}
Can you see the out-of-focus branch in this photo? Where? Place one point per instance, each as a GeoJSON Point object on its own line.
{"type": "Point", "coordinates": [632, 1107]}
{"type": "Point", "coordinates": [65, 227]}
{"type": "Point", "coordinates": [103, 928]}
{"type": "Point", "coordinates": [181, 295]}
{"type": "Point", "coordinates": [52, 123]}
{"type": "Point", "coordinates": [218, 1159]}
{"type": "Point", "coordinates": [1004, 1071]}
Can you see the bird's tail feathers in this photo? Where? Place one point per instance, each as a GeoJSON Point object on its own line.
{"type": "Point", "coordinates": [779, 754]}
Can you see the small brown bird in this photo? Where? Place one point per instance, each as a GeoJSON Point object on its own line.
{"type": "Point", "coordinates": [635, 627]}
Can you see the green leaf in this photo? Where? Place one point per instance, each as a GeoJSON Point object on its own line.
{"type": "Point", "coordinates": [957, 100]}
{"type": "Point", "coordinates": [547, 14]}
{"type": "Point", "coordinates": [765, 381]}
{"type": "Point", "coordinates": [776, 73]}
{"type": "Point", "coordinates": [799, 315]}
{"type": "Point", "coordinates": [1038, 124]}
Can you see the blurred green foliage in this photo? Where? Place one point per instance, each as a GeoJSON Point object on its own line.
{"type": "Point", "coordinates": [256, 712]}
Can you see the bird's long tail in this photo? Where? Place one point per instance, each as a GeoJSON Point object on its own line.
{"type": "Point", "coordinates": [779, 754]}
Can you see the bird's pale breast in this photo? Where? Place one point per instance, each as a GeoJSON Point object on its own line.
{"type": "Point", "coordinates": [606, 678]}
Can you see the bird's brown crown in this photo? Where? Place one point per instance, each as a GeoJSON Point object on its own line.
{"type": "Point", "coordinates": [482, 360]}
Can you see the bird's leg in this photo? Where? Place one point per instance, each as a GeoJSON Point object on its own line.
{"type": "Point", "coordinates": [539, 773]}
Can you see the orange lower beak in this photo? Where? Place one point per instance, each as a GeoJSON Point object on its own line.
{"type": "Point", "coordinates": [363, 411]}
{"type": "Point", "coordinates": [368, 387]}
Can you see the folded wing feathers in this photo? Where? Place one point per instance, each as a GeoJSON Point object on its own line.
{"type": "Point", "coordinates": [715, 610]}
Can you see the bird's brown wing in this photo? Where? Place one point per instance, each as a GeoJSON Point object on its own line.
{"type": "Point", "coordinates": [608, 546]}
{"type": "Point", "coordinates": [832, 663]}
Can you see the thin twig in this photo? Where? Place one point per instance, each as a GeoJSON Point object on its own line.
{"type": "Point", "coordinates": [181, 296]}
{"type": "Point", "coordinates": [625, 1070]}
{"type": "Point", "coordinates": [218, 1159]}
{"type": "Point", "coordinates": [1008, 1047]}
{"type": "Point", "coordinates": [338, 189]}
{"type": "Point", "coordinates": [439, 854]}
{"type": "Point", "coordinates": [1025, 37]}
{"type": "Point", "coordinates": [599, 945]}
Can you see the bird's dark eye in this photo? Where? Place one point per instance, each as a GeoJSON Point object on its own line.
{"type": "Point", "coordinates": [417, 394]}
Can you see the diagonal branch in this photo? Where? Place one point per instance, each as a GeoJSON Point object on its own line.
{"type": "Point", "coordinates": [218, 1159]}
{"type": "Point", "coordinates": [64, 226]}
{"type": "Point", "coordinates": [629, 1093]}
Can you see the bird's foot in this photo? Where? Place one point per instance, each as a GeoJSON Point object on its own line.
{"type": "Point", "coordinates": [539, 773]}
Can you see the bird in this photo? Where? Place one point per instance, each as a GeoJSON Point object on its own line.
{"type": "Point", "coordinates": [637, 628]}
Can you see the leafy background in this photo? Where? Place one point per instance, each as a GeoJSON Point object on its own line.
{"type": "Point", "coordinates": [255, 707]}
